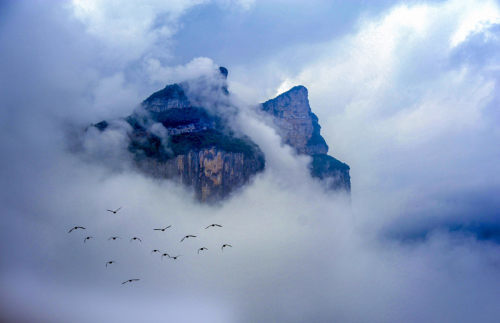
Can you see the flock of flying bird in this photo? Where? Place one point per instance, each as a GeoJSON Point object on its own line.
{"type": "Point", "coordinates": [164, 254]}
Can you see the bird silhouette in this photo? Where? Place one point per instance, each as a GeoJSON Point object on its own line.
{"type": "Point", "coordinates": [110, 262]}
{"type": "Point", "coordinates": [114, 211]}
{"type": "Point", "coordinates": [225, 245]}
{"type": "Point", "coordinates": [87, 238]}
{"type": "Point", "coordinates": [174, 258]}
{"type": "Point", "coordinates": [135, 238]}
{"type": "Point", "coordinates": [155, 250]}
{"type": "Point", "coordinates": [165, 255]}
{"type": "Point", "coordinates": [201, 249]}
{"type": "Point", "coordinates": [114, 238]}
{"type": "Point", "coordinates": [131, 280]}
{"type": "Point", "coordinates": [214, 225]}
{"type": "Point", "coordinates": [162, 229]}
{"type": "Point", "coordinates": [75, 228]}
{"type": "Point", "coordinates": [188, 236]}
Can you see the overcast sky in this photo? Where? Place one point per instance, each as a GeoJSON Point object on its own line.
{"type": "Point", "coordinates": [407, 94]}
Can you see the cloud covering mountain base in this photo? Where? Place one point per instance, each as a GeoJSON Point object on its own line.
{"type": "Point", "coordinates": [402, 248]}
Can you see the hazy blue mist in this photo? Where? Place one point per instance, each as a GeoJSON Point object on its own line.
{"type": "Point", "coordinates": [406, 93]}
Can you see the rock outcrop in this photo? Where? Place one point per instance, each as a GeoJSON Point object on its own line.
{"type": "Point", "coordinates": [182, 133]}
{"type": "Point", "coordinates": [298, 127]}
{"type": "Point", "coordinates": [213, 172]}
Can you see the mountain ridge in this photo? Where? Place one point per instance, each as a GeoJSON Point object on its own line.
{"type": "Point", "coordinates": [183, 132]}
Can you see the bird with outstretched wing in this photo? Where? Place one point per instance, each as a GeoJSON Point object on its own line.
{"type": "Point", "coordinates": [114, 211]}
{"type": "Point", "coordinates": [214, 225]}
{"type": "Point", "coordinates": [163, 229]}
{"type": "Point", "coordinates": [75, 228]}
{"type": "Point", "coordinates": [188, 236]}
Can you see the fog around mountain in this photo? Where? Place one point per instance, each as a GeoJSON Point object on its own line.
{"type": "Point", "coordinates": [406, 94]}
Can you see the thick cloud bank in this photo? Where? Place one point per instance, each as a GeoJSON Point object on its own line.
{"type": "Point", "coordinates": [409, 99]}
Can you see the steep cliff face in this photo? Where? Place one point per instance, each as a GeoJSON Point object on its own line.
{"type": "Point", "coordinates": [212, 172]}
{"type": "Point", "coordinates": [299, 128]}
{"type": "Point", "coordinates": [296, 123]}
{"type": "Point", "coordinates": [182, 133]}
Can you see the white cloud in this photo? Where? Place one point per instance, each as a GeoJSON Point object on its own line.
{"type": "Point", "coordinates": [173, 74]}
{"type": "Point", "coordinates": [450, 105]}
{"type": "Point", "coordinates": [475, 17]}
{"type": "Point", "coordinates": [132, 28]}
{"type": "Point", "coordinates": [395, 73]}
{"type": "Point", "coordinates": [243, 4]}
{"type": "Point", "coordinates": [113, 97]}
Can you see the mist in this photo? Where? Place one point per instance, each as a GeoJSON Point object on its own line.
{"type": "Point", "coordinates": [417, 239]}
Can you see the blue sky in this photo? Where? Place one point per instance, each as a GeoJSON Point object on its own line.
{"type": "Point", "coordinates": [406, 94]}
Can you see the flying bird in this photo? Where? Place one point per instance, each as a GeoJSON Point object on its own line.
{"type": "Point", "coordinates": [201, 249]}
{"type": "Point", "coordinates": [131, 280]}
{"type": "Point", "coordinates": [188, 236]}
{"type": "Point", "coordinates": [225, 245]}
{"type": "Point", "coordinates": [175, 258]}
{"type": "Point", "coordinates": [75, 228]}
{"type": "Point", "coordinates": [155, 250]}
{"type": "Point", "coordinates": [114, 238]}
{"type": "Point", "coordinates": [87, 238]}
{"type": "Point", "coordinates": [165, 255]}
{"type": "Point", "coordinates": [162, 229]}
{"type": "Point", "coordinates": [135, 238]}
{"type": "Point", "coordinates": [114, 211]}
{"type": "Point", "coordinates": [214, 225]}
{"type": "Point", "coordinates": [110, 262]}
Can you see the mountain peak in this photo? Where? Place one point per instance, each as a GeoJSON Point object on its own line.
{"type": "Point", "coordinates": [170, 97]}
{"type": "Point", "coordinates": [297, 88]}
{"type": "Point", "coordinates": [181, 132]}
{"type": "Point", "coordinates": [298, 127]}
{"type": "Point", "coordinates": [296, 96]}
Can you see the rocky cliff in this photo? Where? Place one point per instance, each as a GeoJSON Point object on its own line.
{"type": "Point", "coordinates": [213, 172]}
{"type": "Point", "coordinates": [298, 127]}
{"type": "Point", "coordinates": [182, 132]}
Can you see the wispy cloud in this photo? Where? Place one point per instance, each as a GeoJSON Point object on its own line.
{"type": "Point", "coordinates": [402, 99]}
